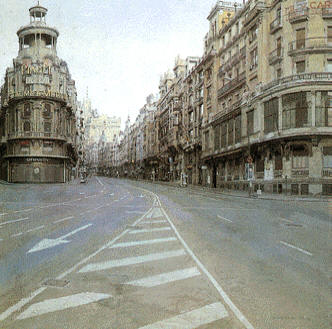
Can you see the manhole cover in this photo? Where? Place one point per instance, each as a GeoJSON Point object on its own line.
{"type": "Point", "coordinates": [55, 283]}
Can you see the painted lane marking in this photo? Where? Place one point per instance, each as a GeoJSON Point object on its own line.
{"type": "Point", "coordinates": [99, 207]}
{"type": "Point", "coordinates": [134, 212]}
{"type": "Point", "coordinates": [16, 307]}
{"type": "Point", "coordinates": [228, 220]}
{"type": "Point", "coordinates": [29, 231]}
{"type": "Point", "coordinates": [150, 230]}
{"type": "Point", "coordinates": [99, 181]}
{"type": "Point", "coordinates": [62, 303]}
{"type": "Point", "coordinates": [3, 214]}
{"type": "Point", "coordinates": [294, 247]}
{"type": "Point", "coordinates": [154, 222]}
{"type": "Point", "coordinates": [221, 292]}
{"type": "Point", "coordinates": [192, 319]}
{"type": "Point", "coordinates": [131, 261]}
{"type": "Point", "coordinates": [50, 243]}
{"type": "Point", "coordinates": [164, 278]}
{"type": "Point", "coordinates": [155, 213]}
{"type": "Point", "coordinates": [63, 219]}
{"type": "Point", "coordinates": [141, 243]}
{"type": "Point", "coordinates": [14, 221]}
{"type": "Point", "coordinates": [286, 220]}
{"type": "Point", "coordinates": [16, 211]}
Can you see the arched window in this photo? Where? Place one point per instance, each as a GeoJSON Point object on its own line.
{"type": "Point", "coordinates": [26, 126]}
{"type": "Point", "coordinates": [47, 127]}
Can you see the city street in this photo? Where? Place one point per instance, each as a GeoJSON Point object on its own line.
{"type": "Point", "coordinates": [115, 253]}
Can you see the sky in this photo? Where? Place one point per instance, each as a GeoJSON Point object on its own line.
{"type": "Point", "coordinates": [118, 49]}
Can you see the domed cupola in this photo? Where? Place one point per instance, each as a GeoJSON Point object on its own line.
{"type": "Point", "coordinates": [37, 39]}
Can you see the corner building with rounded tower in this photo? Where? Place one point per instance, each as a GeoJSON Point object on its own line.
{"type": "Point", "coordinates": [38, 138]}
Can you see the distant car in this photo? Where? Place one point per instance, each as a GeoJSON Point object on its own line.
{"type": "Point", "coordinates": [83, 181]}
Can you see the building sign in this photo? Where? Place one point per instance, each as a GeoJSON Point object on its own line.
{"type": "Point", "coordinates": [268, 171]}
{"type": "Point", "coordinates": [36, 69]}
{"type": "Point", "coordinates": [28, 93]}
{"type": "Point", "coordinates": [38, 79]}
{"type": "Point", "coordinates": [36, 160]}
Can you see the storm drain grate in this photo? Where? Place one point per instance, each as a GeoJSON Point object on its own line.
{"type": "Point", "coordinates": [55, 283]}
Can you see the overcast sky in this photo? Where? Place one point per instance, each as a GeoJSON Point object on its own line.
{"type": "Point", "coordinates": [116, 48]}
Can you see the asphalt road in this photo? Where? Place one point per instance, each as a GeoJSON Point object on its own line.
{"type": "Point", "coordinates": [123, 254]}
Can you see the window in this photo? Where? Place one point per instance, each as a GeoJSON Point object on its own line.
{"type": "Point", "coordinates": [300, 38]}
{"type": "Point", "coordinates": [329, 35]}
{"type": "Point", "coordinates": [223, 132]}
{"type": "Point", "coordinates": [260, 165]}
{"type": "Point", "coordinates": [207, 143]}
{"type": "Point", "coordinates": [230, 132]}
{"type": "Point", "coordinates": [47, 110]}
{"type": "Point", "coordinates": [26, 126]}
{"type": "Point", "coordinates": [327, 157]}
{"type": "Point", "coordinates": [295, 110]}
{"type": "Point", "coordinates": [47, 127]}
{"type": "Point", "coordinates": [217, 138]}
{"type": "Point", "coordinates": [300, 157]}
{"type": "Point", "coordinates": [250, 122]}
{"type": "Point", "coordinates": [278, 162]}
{"type": "Point", "coordinates": [279, 73]}
{"type": "Point", "coordinates": [271, 115]}
{"type": "Point", "coordinates": [253, 59]}
{"type": "Point", "coordinates": [279, 47]}
{"type": "Point", "coordinates": [27, 110]}
{"type": "Point", "coordinates": [238, 129]}
{"type": "Point", "coordinates": [323, 109]}
{"type": "Point", "coordinates": [300, 66]}
{"type": "Point", "coordinates": [329, 65]}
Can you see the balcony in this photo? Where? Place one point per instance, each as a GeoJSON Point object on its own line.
{"type": "Point", "coordinates": [254, 13]}
{"type": "Point", "coordinates": [297, 16]}
{"type": "Point", "coordinates": [276, 56]}
{"type": "Point", "coordinates": [299, 79]}
{"type": "Point", "coordinates": [300, 172]}
{"type": "Point", "coordinates": [327, 172]}
{"type": "Point", "coordinates": [36, 134]}
{"type": "Point", "coordinates": [327, 12]}
{"type": "Point", "coordinates": [275, 25]}
{"type": "Point", "coordinates": [235, 83]}
{"type": "Point", "coordinates": [310, 45]}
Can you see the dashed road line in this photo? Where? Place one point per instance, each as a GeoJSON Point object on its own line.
{"type": "Point", "coordinates": [142, 242]}
{"type": "Point", "coordinates": [192, 319]}
{"type": "Point", "coordinates": [131, 261]}
{"type": "Point", "coordinates": [101, 183]}
{"type": "Point", "coordinates": [29, 231]}
{"type": "Point", "coordinates": [14, 221]}
{"type": "Point", "coordinates": [63, 219]}
{"type": "Point", "coordinates": [285, 220]}
{"type": "Point", "coordinates": [3, 214]}
{"type": "Point", "coordinates": [228, 220]}
{"type": "Point", "coordinates": [297, 248]}
{"type": "Point", "coordinates": [164, 278]}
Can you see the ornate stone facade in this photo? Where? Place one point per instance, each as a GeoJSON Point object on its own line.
{"type": "Point", "coordinates": [38, 127]}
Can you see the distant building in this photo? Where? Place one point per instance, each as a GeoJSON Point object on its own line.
{"type": "Point", "coordinates": [38, 132]}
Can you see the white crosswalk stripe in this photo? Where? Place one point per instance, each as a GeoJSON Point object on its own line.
{"type": "Point", "coordinates": [154, 222]}
{"type": "Point", "coordinates": [164, 278]}
{"type": "Point", "coordinates": [142, 242]}
{"type": "Point", "coordinates": [131, 261]}
{"type": "Point", "coordinates": [58, 304]}
{"type": "Point", "coordinates": [160, 229]}
{"type": "Point", "coordinates": [192, 319]}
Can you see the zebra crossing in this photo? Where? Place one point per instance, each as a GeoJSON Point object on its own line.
{"type": "Point", "coordinates": [148, 267]}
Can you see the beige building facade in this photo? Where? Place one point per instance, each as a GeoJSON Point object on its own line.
{"type": "Point", "coordinates": [256, 108]}
{"type": "Point", "coordinates": [38, 125]}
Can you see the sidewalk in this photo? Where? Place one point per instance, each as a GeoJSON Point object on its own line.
{"type": "Point", "coordinates": [244, 194]}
